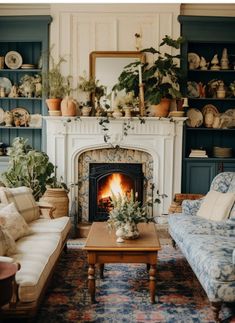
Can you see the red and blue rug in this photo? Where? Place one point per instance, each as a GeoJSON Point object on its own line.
{"type": "Point", "coordinates": [123, 295]}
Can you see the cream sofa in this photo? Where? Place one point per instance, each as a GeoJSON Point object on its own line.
{"type": "Point", "coordinates": [35, 243]}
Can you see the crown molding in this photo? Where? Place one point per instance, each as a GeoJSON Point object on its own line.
{"type": "Point", "coordinates": [24, 9]}
{"type": "Point", "coordinates": [214, 9]}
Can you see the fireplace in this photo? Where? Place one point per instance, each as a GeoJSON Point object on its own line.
{"type": "Point", "coordinates": [106, 179]}
{"type": "Point", "coordinates": [73, 144]}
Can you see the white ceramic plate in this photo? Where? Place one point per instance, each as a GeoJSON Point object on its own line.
{"type": "Point", "coordinates": [6, 84]}
{"type": "Point", "coordinates": [195, 118]}
{"type": "Point", "coordinates": [193, 61]}
{"type": "Point", "coordinates": [13, 60]}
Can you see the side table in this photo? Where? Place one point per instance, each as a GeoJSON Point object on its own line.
{"type": "Point", "coordinates": [7, 275]}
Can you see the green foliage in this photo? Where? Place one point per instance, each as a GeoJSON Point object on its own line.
{"type": "Point", "coordinates": [127, 210]}
{"type": "Point", "coordinates": [27, 167]}
{"type": "Point", "coordinates": [86, 84]}
{"type": "Point", "coordinates": [55, 85]}
{"type": "Point", "coordinates": [161, 79]}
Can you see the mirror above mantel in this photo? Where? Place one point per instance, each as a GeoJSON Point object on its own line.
{"type": "Point", "coordinates": [106, 66]}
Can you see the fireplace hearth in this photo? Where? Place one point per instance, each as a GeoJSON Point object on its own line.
{"type": "Point", "coordinates": [106, 179]}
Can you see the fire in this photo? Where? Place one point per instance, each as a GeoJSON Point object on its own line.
{"type": "Point", "coordinates": [114, 185]}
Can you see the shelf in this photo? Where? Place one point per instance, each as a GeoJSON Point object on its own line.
{"type": "Point", "coordinates": [20, 128]}
{"type": "Point", "coordinates": [21, 70]}
{"type": "Point", "coordinates": [211, 99]}
{"type": "Point", "coordinates": [211, 71]}
{"type": "Point", "coordinates": [208, 129]}
{"type": "Point", "coordinates": [210, 159]}
{"type": "Point", "coordinates": [20, 98]}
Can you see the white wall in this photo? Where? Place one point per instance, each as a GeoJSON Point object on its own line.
{"type": "Point", "coordinates": [79, 29]}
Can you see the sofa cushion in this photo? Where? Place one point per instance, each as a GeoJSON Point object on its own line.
{"type": "Point", "coordinates": [211, 256]}
{"type": "Point", "coordinates": [23, 199]}
{"type": "Point", "coordinates": [7, 243]}
{"type": "Point", "coordinates": [216, 206]}
{"type": "Point", "coordinates": [60, 225]}
{"type": "Point", "coordinates": [13, 222]}
{"type": "Point", "coordinates": [37, 254]}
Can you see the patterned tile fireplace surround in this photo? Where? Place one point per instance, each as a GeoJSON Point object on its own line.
{"type": "Point", "coordinates": [157, 144]}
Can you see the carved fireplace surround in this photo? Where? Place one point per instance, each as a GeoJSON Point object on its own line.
{"type": "Point", "coordinates": [68, 138]}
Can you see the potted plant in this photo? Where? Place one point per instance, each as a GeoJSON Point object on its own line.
{"type": "Point", "coordinates": [87, 86]}
{"type": "Point", "coordinates": [27, 167]}
{"type": "Point", "coordinates": [161, 78]}
{"type": "Point", "coordinates": [57, 195]}
{"type": "Point", "coordinates": [127, 212]}
{"type": "Point", "coordinates": [54, 84]}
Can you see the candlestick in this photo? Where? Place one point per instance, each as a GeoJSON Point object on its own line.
{"type": "Point", "coordinates": [141, 97]}
{"type": "Point", "coordinates": [140, 74]}
{"type": "Point", "coordinates": [185, 104]}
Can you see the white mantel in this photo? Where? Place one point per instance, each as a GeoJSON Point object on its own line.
{"type": "Point", "coordinates": [161, 138]}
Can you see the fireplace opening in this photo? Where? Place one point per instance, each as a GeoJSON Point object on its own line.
{"type": "Point", "coordinates": [106, 179]}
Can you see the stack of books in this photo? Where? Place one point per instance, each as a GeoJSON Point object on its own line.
{"type": "Point", "coordinates": [199, 153]}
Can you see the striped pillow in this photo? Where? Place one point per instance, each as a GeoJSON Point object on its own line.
{"type": "Point", "coordinates": [23, 199]}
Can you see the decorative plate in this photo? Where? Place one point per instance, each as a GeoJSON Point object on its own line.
{"type": "Point", "coordinates": [13, 60]}
{"type": "Point", "coordinates": [195, 118]}
{"type": "Point", "coordinates": [193, 89]}
{"type": "Point", "coordinates": [27, 66]}
{"type": "Point", "coordinates": [23, 115]}
{"type": "Point", "coordinates": [193, 60]}
{"type": "Point", "coordinates": [209, 108]}
{"type": "Point", "coordinates": [6, 84]}
{"type": "Point", "coordinates": [2, 112]}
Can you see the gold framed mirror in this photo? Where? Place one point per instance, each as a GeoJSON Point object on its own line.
{"type": "Point", "coordinates": [106, 66]}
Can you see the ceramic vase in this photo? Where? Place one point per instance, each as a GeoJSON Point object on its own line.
{"type": "Point", "coordinates": [162, 109]}
{"type": "Point", "coordinates": [53, 104]}
{"type": "Point", "coordinates": [68, 107]}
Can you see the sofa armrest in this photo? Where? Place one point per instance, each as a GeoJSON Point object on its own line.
{"type": "Point", "coordinates": [6, 259]}
{"type": "Point", "coordinates": [190, 207]}
{"type": "Point", "coordinates": [233, 256]}
{"type": "Point", "coordinates": [48, 207]}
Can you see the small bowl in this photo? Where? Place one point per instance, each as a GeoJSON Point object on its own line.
{"type": "Point", "coordinates": [176, 114]}
{"type": "Point", "coordinates": [55, 113]}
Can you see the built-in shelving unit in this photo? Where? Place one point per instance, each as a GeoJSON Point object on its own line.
{"type": "Point", "coordinates": [29, 36]}
{"type": "Point", "coordinates": [207, 36]}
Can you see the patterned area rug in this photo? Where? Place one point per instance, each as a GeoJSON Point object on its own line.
{"type": "Point", "coordinates": [123, 295]}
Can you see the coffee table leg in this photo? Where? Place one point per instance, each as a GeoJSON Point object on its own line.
{"type": "Point", "coordinates": [91, 282]}
{"type": "Point", "coordinates": [152, 282]}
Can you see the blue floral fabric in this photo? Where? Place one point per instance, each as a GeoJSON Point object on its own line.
{"type": "Point", "coordinates": [209, 246]}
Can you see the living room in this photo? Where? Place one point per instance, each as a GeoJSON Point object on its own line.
{"type": "Point", "coordinates": [110, 136]}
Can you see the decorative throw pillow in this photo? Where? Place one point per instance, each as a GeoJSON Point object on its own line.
{"type": "Point", "coordinates": [23, 199]}
{"type": "Point", "coordinates": [7, 243]}
{"type": "Point", "coordinates": [13, 222]}
{"type": "Point", "coordinates": [216, 206]}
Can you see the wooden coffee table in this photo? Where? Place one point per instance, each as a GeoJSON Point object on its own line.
{"type": "Point", "coordinates": [102, 248]}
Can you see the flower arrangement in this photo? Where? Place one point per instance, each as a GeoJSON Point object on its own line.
{"type": "Point", "coordinates": [126, 209]}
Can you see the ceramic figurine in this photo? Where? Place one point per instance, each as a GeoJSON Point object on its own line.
{"type": "Point", "coordinates": [220, 93]}
{"type": "Point", "coordinates": [8, 118]}
{"type": "Point", "coordinates": [224, 62]}
{"type": "Point", "coordinates": [203, 64]}
{"type": "Point", "coordinates": [215, 62]}
{"type": "Point", "coordinates": [14, 92]}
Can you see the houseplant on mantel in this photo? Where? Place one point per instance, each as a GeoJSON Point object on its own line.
{"type": "Point", "coordinates": [161, 78]}
{"type": "Point", "coordinates": [53, 86]}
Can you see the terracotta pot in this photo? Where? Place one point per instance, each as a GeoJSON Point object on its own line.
{"type": "Point", "coordinates": [53, 104]}
{"type": "Point", "coordinates": [57, 197]}
{"type": "Point", "coordinates": [68, 107]}
{"type": "Point", "coordinates": [162, 109]}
